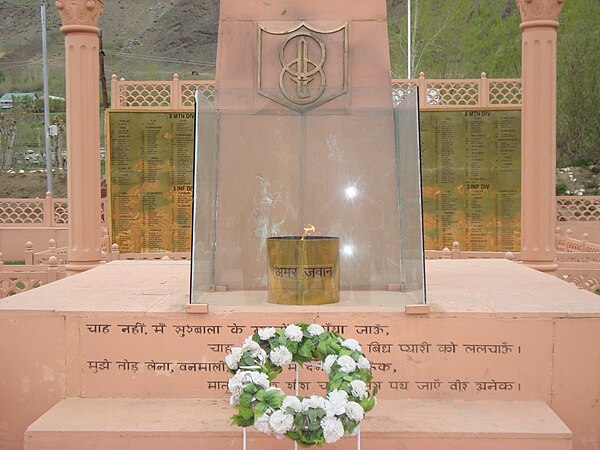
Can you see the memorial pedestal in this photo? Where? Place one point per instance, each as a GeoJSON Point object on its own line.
{"type": "Point", "coordinates": [497, 331]}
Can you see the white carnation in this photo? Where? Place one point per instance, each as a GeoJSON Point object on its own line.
{"type": "Point", "coordinates": [292, 402]}
{"type": "Point", "coordinates": [293, 333]}
{"type": "Point", "coordinates": [261, 356]}
{"type": "Point", "coordinates": [354, 411]}
{"type": "Point", "coordinates": [262, 424]}
{"type": "Point", "coordinates": [235, 384]}
{"type": "Point", "coordinates": [351, 344]}
{"type": "Point", "coordinates": [336, 403]}
{"type": "Point", "coordinates": [233, 359]}
{"type": "Point", "coordinates": [315, 329]}
{"type": "Point", "coordinates": [234, 400]}
{"type": "Point", "coordinates": [363, 363]}
{"type": "Point", "coordinates": [252, 347]}
{"type": "Point", "coordinates": [266, 333]}
{"type": "Point", "coordinates": [281, 422]}
{"type": "Point", "coordinates": [329, 361]}
{"type": "Point", "coordinates": [314, 401]}
{"type": "Point", "coordinates": [260, 379]}
{"type": "Point", "coordinates": [333, 429]}
{"type": "Point", "coordinates": [359, 389]}
{"type": "Point", "coordinates": [280, 356]}
{"type": "Point", "coordinates": [346, 363]}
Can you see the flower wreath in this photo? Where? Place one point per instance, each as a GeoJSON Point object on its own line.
{"type": "Point", "coordinates": [311, 420]}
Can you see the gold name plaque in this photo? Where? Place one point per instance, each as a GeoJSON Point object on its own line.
{"type": "Point", "coordinates": [150, 176]}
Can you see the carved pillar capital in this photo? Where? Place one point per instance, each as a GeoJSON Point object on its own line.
{"type": "Point", "coordinates": [79, 13]}
{"type": "Point", "coordinates": [536, 10]}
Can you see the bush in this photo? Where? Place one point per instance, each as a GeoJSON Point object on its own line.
{"type": "Point", "coordinates": [561, 188]}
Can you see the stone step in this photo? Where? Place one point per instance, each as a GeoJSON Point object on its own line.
{"type": "Point", "coordinates": [199, 423]}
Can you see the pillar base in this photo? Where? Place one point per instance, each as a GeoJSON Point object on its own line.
{"type": "Point", "coordinates": [75, 267]}
{"type": "Point", "coordinates": [542, 266]}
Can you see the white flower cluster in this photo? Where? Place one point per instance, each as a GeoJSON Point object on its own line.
{"type": "Point", "coordinates": [266, 333]}
{"type": "Point", "coordinates": [315, 329]}
{"type": "Point", "coordinates": [337, 408]}
{"type": "Point", "coordinates": [346, 363]}
{"type": "Point", "coordinates": [293, 333]}
{"type": "Point", "coordinates": [233, 359]}
{"type": "Point", "coordinates": [337, 405]}
{"type": "Point", "coordinates": [236, 354]}
{"type": "Point", "coordinates": [240, 380]}
{"type": "Point", "coordinates": [280, 356]}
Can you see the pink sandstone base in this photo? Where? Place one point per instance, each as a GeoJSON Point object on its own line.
{"type": "Point", "coordinates": [508, 332]}
{"type": "Point", "coordinates": [204, 424]}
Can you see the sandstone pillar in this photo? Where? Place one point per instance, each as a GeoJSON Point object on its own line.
{"type": "Point", "coordinates": [79, 20]}
{"type": "Point", "coordinates": [538, 206]}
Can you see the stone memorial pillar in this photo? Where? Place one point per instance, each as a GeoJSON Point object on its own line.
{"type": "Point", "coordinates": [538, 206]}
{"type": "Point", "coordinates": [79, 20]}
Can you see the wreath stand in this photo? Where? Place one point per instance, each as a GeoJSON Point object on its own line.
{"type": "Point", "coordinates": [296, 387]}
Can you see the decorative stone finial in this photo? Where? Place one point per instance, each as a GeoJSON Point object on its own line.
{"type": "Point", "coordinates": [80, 12]}
{"type": "Point", "coordinates": [539, 9]}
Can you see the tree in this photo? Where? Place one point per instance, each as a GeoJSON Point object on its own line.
{"type": "Point", "coordinates": [578, 104]}
{"type": "Point", "coordinates": [8, 133]}
{"type": "Point", "coordinates": [458, 39]}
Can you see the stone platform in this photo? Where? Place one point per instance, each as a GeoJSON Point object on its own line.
{"type": "Point", "coordinates": [498, 331]}
{"type": "Point", "coordinates": [203, 424]}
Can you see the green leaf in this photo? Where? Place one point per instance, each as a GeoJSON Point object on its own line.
{"type": "Point", "coordinates": [368, 403]}
{"type": "Point", "coordinates": [260, 395]}
{"type": "Point", "coordinates": [251, 389]}
{"type": "Point", "coordinates": [299, 420]}
{"type": "Point", "coordinates": [334, 384]}
{"type": "Point", "coordinates": [246, 413]}
{"type": "Point", "coordinates": [240, 421]}
{"type": "Point", "coordinates": [322, 348]}
{"type": "Point", "coordinates": [306, 349]}
{"type": "Point", "coordinates": [275, 401]}
{"type": "Point", "coordinates": [259, 409]}
{"type": "Point", "coordinates": [246, 400]}
{"type": "Point", "coordinates": [312, 414]}
{"type": "Point", "coordinates": [314, 426]}
{"type": "Point", "coordinates": [351, 426]}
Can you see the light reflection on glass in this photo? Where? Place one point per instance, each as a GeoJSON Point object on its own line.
{"type": "Point", "coordinates": [351, 192]}
{"type": "Point", "coordinates": [348, 250]}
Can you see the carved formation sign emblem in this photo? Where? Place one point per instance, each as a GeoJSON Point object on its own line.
{"type": "Point", "coordinates": [303, 67]}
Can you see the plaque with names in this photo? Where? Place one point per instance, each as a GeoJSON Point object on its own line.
{"type": "Point", "coordinates": [150, 177]}
{"type": "Point", "coordinates": [472, 179]}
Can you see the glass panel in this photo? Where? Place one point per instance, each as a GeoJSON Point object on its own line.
{"type": "Point", "coordinates": [264, 171]}
{"type": "Point", "coordinates": [206, 155]}
{"type": "Point", "coordinates": [406, 115]}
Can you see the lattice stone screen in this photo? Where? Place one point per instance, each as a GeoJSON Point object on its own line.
{"type": "Point", "coordinates": [580, 209]}
{"type": "Point", "coordinates": [505, 92]}
{"type": "Point", "coordinates": [468, 93]}
{"type": "Point", "coordinates": [47, 212]}
{"type": "Point", "coordinates": [21, 211]}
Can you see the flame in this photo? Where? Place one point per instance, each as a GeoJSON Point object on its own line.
{"type": "Point", "coordinates": [309, 229]}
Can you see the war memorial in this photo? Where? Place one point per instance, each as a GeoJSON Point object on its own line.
{"type": "Point", "coordinates": [302, 205]}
